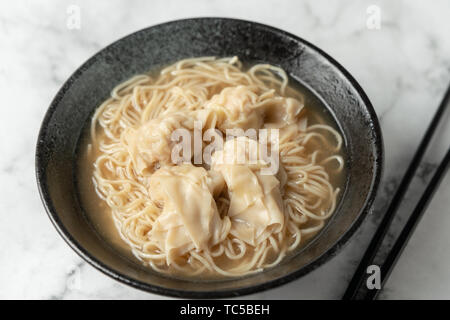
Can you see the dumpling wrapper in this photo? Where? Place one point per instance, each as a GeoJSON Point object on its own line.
{"type": "Point", "coordinates": [256, 208]}
{"type": "Point", "coordinates": [280, 112]}
{"type": "Point", "coordinates": [151, 143]}
{"type": "Point", "coordinates": [233, 108]}
{"type": "Point", "coordinates": [189, 218]}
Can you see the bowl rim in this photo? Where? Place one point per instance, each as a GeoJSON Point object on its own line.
{"type": "Point", "coordinates": [179, 293]}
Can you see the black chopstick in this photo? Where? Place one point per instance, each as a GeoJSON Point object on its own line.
{"type": "Point", "coordinates": [411, 224]}
{"type": "Point", "coordinates": [367, 260]}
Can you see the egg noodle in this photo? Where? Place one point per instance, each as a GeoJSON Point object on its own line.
{"type": "Point", "coordinates": [218, 217]}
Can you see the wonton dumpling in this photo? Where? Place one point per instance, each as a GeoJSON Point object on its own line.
{"type": "Point", "coordinates": [256, 207]}
{"type": "Point", "coordinates": [281, 111]}
{"type": "Point", "coordinates": [151, 143]}
{"type": "Point", "coordinates": [189, 218]}
{"type": "Point", "coordinates": [233, 108]}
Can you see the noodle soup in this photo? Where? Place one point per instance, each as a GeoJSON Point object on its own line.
{"type": "Point", "coordinates": [198, 215]}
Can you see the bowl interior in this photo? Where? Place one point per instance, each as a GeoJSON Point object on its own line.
{"type": "Point", "coordinates": [160, 45]}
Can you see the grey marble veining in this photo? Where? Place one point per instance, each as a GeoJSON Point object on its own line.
{"type": "Point", "coordinates": [404, 67]}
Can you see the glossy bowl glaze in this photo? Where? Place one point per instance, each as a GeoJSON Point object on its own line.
{"type": "Point", "coordinates": [159, 45]}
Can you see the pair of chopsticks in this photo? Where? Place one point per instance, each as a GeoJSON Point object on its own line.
{"type": "Point", "coordinates": [360, 275]}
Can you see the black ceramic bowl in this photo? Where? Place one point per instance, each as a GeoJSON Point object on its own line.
{"type": "Point", "coordinates": [169, 42]}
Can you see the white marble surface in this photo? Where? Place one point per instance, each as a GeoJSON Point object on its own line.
{"type": "Point", "coordinates": [404, 68]}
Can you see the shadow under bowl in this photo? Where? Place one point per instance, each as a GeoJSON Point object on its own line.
{"type": "Point", "coordinates": [159, 45]}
